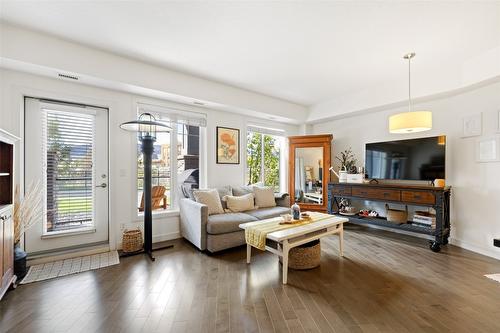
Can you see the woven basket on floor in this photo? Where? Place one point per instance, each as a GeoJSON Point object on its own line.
{"type": "Point", "coordinates": [305, 256]}
{"type": "Point", "coordinates": [132, 240]}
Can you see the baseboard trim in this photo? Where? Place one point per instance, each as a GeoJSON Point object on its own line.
{"type": "Point", "coordinates": [166, 237]}
{"type": "Point", "coordinates": [467, 246]}
{"type": "Point", "coordinates": [67, 254]}
{"type": "Point", "coordinates": [160, 238]}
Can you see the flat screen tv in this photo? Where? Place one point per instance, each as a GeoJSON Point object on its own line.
{"type": "Point", "coordinates": [415, 159]}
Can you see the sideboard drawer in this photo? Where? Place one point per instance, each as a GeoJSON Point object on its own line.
{"type": "Point", "coordinates": [365, 192]}
{"type": "Point", "coordinates": [391, 195]}
{"type": "Point", "coordinates": [418, 197]}
{"type": "Point", "coordinates": [341, 190]}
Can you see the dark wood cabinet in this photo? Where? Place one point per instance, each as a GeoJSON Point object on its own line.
{"type": "Point", "coordinates": [416, 195]}
{"type": "Point", "coordinates": [6, 205]}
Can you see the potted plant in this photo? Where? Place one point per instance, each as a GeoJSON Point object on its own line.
{"type": "Point", "coordinates": [347, 164]}
{"type": "Point", "coordinates": [27, 212]}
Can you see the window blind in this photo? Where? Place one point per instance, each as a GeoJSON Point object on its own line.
{"type": "Point", "coordinates": [174, 116]}
{"type": "Point", "coordinates": [265, 130]}
{"type": "Point", "coordinates": [68, 150]}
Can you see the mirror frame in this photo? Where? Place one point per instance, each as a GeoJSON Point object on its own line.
{"type": "Point", "coordinates": [310, 141]}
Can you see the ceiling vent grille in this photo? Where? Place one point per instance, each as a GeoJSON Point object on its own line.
{"type": "Point", "coordinates": [67, 76]}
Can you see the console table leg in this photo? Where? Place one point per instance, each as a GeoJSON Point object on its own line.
{"type": "Point", "coordinates": [249, 253]}
{"type": "Point", "coordinates": [341, 240]}
{"type": "Point", "coordinates": [285, 260]}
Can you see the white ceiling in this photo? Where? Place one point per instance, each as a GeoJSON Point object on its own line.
{"type": "Point", "coordinates": [304, 52]}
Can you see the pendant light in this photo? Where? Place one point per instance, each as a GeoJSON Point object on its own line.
{"type": "Point", "coordinates": [411, 121]}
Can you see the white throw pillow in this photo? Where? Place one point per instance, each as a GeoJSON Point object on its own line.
{"type": "Point", "coordinates": [264, 197]}
{"type": "Point", "coordinates": [211, 199]}
{"type": "Point", "coordinates": [240, 204]}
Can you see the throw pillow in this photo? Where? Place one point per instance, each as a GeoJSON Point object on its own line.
{"type": "Point", "coordinates": [241, 203]}
{"type": "Point", "coordinates": [224, 191]}
{"type": "Point", "coordinates": [245, 189]}
{"type": "Point", "coordinates": [264, 197]}
{"type": "Point", "coordinates": [209, 198]}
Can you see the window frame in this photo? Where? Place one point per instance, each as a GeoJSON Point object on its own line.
{"type": "Point", "coordinates": [173, 209]}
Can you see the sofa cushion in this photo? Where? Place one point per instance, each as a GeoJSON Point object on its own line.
{"type": "Point", "coordinates": [245, 189]}
{"type": "Point", "coordinates": [229, 222]}
{"type": "Point", "coordinates": [240, 204]}
{"type": "Point", "coordinates": [223, 192]}
{"type": "Point", "coordinates": [264, 197]}
{"type": "Point", "coordinates": [266, 213]}
{"type": "Point", "coordinates": [209, 197]}
{"type": "Point", "coordinates": [238, 191]}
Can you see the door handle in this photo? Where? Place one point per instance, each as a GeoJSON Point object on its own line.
{"type": "Point", "coordinates": [103, 185]}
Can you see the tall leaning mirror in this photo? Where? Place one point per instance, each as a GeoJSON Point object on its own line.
{"type": "Point", "coordinates": [309, 163]}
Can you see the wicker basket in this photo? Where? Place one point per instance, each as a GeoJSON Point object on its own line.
{"type": "Point", "coordinates": [396, 216]}
{"type": "Point", "coordinates": [305, 256]}
{"type": "Point", "coordinates": [132, 241]}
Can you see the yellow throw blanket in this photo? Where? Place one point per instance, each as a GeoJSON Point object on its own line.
{"type": "Point", "coordinates": [256, 232]}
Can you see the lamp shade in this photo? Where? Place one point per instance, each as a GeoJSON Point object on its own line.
{"type": "Point", "coordinates": [147, 126]}
{"type": "Point", "coordinates": [410, 122]}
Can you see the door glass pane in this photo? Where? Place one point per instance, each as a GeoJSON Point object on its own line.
{"type": "Point", "coordinates": [69, 154]}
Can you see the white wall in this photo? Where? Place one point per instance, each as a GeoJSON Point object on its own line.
{"type": "Point", "coordinates": [442, 79]}
{"type": "Point", "coordinates": [122, 107]}
{"type": "Point", "coordinates": [36, 52]}
{"type": "Point", "coordinates": [475, 186]}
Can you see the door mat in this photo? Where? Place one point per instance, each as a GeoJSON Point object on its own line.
{"type": "Point", "coordinates": [65, 267]}
{"type": "Point", "coordinates": [495, 277]}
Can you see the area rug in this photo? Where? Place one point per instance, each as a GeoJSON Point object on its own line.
{"type": "Point", "coordinates": [495, 277]}
{"type": "Point", "coordinates": [65, 267]}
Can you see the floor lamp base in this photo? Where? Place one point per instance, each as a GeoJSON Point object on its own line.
{"type": "Point", "coordinates": [148, 253]}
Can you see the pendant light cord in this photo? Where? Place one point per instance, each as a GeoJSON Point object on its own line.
{"type": "Point", "coordinates": [409, 83]}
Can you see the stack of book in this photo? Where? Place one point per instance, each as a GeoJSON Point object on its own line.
{"type": "Point", "coordinates": [424, 219]}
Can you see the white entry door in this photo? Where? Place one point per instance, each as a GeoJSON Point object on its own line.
{"type": "Point", "coordinates": [66, 150]}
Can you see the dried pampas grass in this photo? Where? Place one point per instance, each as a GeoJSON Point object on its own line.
{"type": "Point", "coordinates": [27, 211]}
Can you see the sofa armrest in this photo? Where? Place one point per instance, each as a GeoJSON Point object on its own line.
{"type": "Point", "coordinates": [193, 222]}
{"type": "Point", "coordinates": [282, 199]}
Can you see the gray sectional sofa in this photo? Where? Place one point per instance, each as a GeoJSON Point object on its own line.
{"type": "Point", "coordinates": [220, 231]}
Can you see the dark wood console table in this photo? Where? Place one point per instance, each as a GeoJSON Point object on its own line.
{"type": "Point", "coordinates": [414, 195]}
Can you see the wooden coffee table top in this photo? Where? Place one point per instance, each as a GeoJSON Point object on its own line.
{"type": "Point", "coordinates": [300, 230]}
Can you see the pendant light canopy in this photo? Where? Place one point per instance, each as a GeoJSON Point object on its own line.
{"type": "Point", "coordinates": [411, 121]}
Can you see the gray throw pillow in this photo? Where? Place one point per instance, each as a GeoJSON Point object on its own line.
{"type": "Point", "coordinates": [223, 192]}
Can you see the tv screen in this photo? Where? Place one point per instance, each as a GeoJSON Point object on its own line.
{"type": "Point", "coordinates": [415, 159]}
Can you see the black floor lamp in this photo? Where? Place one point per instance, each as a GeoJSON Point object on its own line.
{"type": "Point", "coordinates": [147, 127]}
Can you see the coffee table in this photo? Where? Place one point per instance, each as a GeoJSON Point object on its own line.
{"type": "Point", "coordinates": [295, 236]}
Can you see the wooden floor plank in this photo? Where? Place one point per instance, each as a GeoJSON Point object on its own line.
{"type": "Point", "coordinates": [384, 283]}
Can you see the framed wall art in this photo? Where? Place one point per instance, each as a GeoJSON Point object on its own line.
{"type": "Point", "coordinates": [228, 145]}
{"type": "Point", "coordinates": [472, 125]}
{"type": "Point", "coordinates": [488, 149]}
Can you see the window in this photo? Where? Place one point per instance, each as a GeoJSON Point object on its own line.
{"type": "Point", "coordinates": [264, 150]}
{"type": "Point", "coordinates": [174, 170]}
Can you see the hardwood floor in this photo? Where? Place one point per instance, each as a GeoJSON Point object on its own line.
{"type": "Point", "coordinates": [385, 283]}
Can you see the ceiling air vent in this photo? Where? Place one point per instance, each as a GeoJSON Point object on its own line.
{"type": "Point", "coordinates": [67, 76]}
